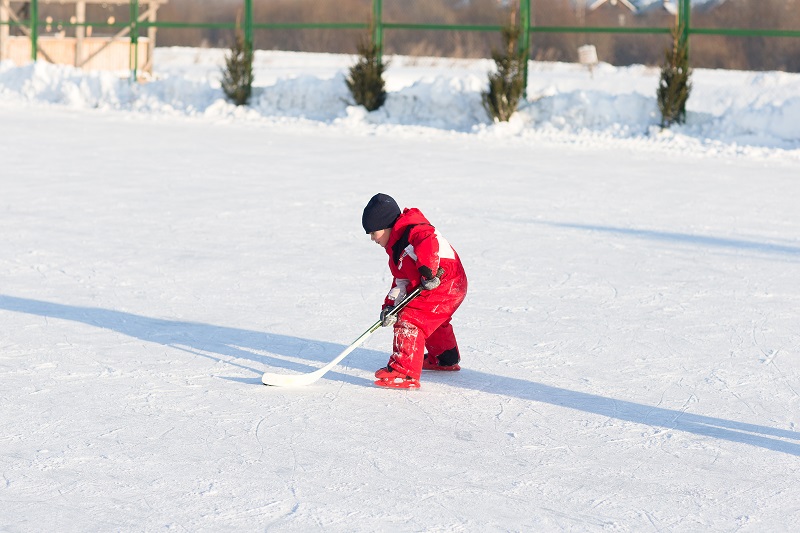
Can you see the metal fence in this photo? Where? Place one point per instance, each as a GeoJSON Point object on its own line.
{"type": "Point", "coordinates": [377, 25]}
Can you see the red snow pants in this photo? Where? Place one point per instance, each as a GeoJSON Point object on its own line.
{"type": "Point", "coordinates": [425, 323]}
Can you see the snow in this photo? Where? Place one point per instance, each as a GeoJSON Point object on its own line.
{"type": "Point", "coordinates": [629, 340]}
{"type": "Point", "coordinates": [756, 113]}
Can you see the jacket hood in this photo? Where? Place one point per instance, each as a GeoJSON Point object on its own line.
{"type": "Point", "coordinates": [410, 216]}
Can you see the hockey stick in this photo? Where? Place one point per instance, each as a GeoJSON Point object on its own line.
{"type": "Point", "coordinates": [298, 380]}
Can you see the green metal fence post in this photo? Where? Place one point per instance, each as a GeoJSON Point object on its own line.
{"type": "Point", "coordinates": [34, 22]}
{"type": "Point", "coordinates": [248, 24]}
{"type": "Point", "coordinates": [133, 56]}
{"type": "Point", "coordinates": [525, 16]}
{"type": "Point", "coordinates": [685, 15]}
{"type": "Point", "coordinates": [377, 26]}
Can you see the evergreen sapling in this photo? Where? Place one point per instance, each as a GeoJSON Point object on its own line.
{"type": "Point", "coordinates": [237, 76]}
{"type": "Point", "coordinates": [365, 81]}
{"type": "Point", "coordinates": [507, 84]}
{"type": "Point", "coordinates": [674, 86]}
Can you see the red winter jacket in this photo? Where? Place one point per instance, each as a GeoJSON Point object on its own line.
{"type": "Point", "coordinates": [413, 245]}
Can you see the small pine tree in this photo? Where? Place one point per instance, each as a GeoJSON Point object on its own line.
{"type": "Point", "coordinates": [674, 87]}
{"type": "Point", "coordinates": [237, 76]}
{"type": "Point", "coordinates": [366, 81]}
{"type": "Point", "coordinates": [507, 85]}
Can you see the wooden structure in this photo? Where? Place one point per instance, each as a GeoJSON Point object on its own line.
{"type": "Point", "coordinates": [625, 3]}
{"type": "Point", "coordinates": [115, 52]}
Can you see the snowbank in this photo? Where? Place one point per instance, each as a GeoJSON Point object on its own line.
{"type": "Point", "coordinates": [743, 111]}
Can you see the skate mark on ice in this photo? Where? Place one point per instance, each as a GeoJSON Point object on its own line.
{"type": "Point", "coordinates": [222, 344]}
{"type": "Point", "coordinates": [775, 439]}
{"type": "Point", "coordinates": [705, 241]}
{"type": "Point", "coordinates": [230, 342]}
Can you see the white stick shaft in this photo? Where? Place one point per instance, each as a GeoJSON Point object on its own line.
{"type": "Point", "coordinates": [298, 380]}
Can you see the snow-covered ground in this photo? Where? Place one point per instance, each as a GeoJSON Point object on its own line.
{"type": "Point", "coordinates": [630, 340]}
{"type": "Point", "coordinates": [729, 112]}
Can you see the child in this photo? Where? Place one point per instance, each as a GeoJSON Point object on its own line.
{"type": "Point", "coordinates": [418, 255]}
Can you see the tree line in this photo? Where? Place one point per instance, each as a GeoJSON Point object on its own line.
{"type": "Point", "coordinates": [743, 53]}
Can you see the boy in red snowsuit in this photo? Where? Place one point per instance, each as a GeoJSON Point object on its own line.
{"type": "Point", "coordinates": [418, 255]}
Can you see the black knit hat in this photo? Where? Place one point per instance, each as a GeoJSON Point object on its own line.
{"type": "Point", "coordinates": [381, 213]}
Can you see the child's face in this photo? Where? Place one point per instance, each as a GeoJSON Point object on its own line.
{"type": "Point", "coordinates": [381, 236]}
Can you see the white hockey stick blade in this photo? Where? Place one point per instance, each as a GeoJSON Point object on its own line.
{"type": "Point", "coordinates": [300, 380]}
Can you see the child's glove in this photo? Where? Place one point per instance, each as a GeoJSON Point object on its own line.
{"type": "Point", "coordinates": [397, 293]}
{"type": "Point", "coordinates": [387, 319]}
{"type": "Point", "coordinates": [430, 284]}
{"type": "Point", "coordinates": [430, 281]}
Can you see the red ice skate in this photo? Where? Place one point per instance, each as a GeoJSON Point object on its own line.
{"type": "Point", "coordinates": [428, 365]}
{"type": "Point", "coordinates": [389, 377]}
{"type": "Point", "coordinates": [447, 362]}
